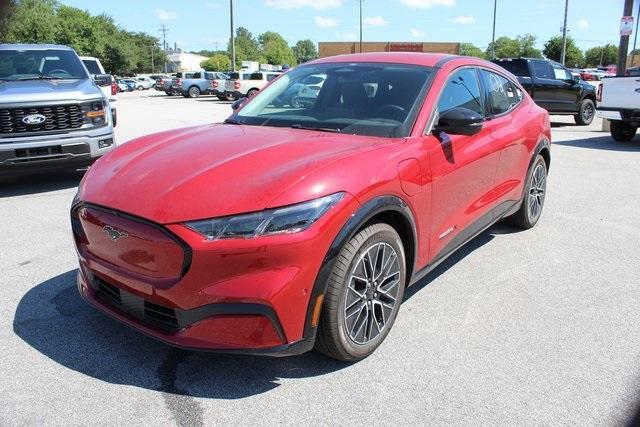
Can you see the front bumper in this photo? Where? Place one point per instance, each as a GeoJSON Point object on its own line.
{"type": "Point", "coordinates": [238, 295]}
{"type": "Point", "coordinates": [65, 150]}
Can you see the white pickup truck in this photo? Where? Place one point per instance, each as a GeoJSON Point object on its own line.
{"type": "Point", "coordinates": [619, 102]}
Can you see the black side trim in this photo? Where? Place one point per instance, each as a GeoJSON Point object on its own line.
{"type": "Point", "coordinates": [481, 224]}
{"type": "Point", "coordinates": [188, 253]}
{"type": "Point", "coordinates": [365, 213]}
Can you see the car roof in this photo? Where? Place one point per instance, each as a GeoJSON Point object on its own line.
{"type": "Point", "coordinates": [412, 58]}
{"type": "Point", "coordinates": [19, 46]}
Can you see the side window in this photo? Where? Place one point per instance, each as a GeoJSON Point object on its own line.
{"type": "Point", "coordinates": [271, 77]}
{"type": "Point", "coordinates": [543, 70]}
{"type": "Point", "coordinates": [502, 95]}
{"type": "Point", "coordinates": [560, 73]}
{"type": "Point", "coordinates": [461, 90]}
{"type": "Point", "coordinates": [195, 76]}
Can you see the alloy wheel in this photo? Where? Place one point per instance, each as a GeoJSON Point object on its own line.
{"type": "Point", "coordinates": [587, 112]}
{"type": "Point", "coordinates": [537, 191]}
{"type": "Point", "coordinates": [372, 293]}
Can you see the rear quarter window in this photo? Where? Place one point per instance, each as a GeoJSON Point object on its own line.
{"type": "Point", "coordinates": [517, 68]}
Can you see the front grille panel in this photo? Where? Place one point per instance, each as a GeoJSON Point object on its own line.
{"type": "Point", "coordinates": [39, 151]}
{"type": "Point", "coordinates": [149, 313]}
{"type": "Point", "coordinates": [58, 118]}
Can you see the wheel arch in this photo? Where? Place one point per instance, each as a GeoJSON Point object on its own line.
{"type": "Point", "coordinates": [389, 209]}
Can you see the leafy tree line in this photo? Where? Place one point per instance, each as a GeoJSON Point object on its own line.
{"type": "Point", "coordinates": [507, 47]}
{"type": "Point", "coordinates": [47, 21]}
{"type": "Point", "coordinates": [268, 48]}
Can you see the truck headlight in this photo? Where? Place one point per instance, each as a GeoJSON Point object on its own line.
{"type": "Point", "coordinates": [94, 113]}
{"type": "Point", "coordinates": [288, 219]}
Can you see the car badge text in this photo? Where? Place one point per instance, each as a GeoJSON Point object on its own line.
{"type": "Point", "coordinates": [34, 119]}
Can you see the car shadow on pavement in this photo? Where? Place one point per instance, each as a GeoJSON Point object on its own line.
{"type": "Point", "coordinates": [53, 319]}
{"type": "Point", "coordinates": [602, 143]}
{"type": "Point", "coordinates": [39, 183]}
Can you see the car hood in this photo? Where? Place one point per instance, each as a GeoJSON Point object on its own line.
{"type": "Point", "coordinates": [213, 170]}
{"type": "Point", "coordinates": [48, 91]}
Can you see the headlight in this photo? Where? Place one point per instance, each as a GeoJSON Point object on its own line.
{"type": "Point", "coordinates": [94, 113]}
{"type": "Point", "coordinates": [289, 219]}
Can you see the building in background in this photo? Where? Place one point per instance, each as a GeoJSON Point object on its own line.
{"type": "Point", "coordinates": [177, 60]}
{"type": "Point", "coordinates": [341, 48]}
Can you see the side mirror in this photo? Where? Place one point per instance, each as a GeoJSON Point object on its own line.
{"type": "Point", "coordinates": [102, 79]}
{"type": "Point", "coordinates": [459, 121]}
{"type": "Point", "coordinates": [238, 103]}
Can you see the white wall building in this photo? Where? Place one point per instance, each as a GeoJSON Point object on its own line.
{"type": "Point", "coordinates": [177, 60]}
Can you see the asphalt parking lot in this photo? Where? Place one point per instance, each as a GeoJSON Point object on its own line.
{"type": "Point", "coordinates": [536, 327]}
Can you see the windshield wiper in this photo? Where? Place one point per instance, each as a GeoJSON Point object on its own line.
{"type": "Point", "coordinates": [232, 122]}
{"type": "Point", "coordinates": [42, 78]}
{"type": "Point", "coordinates": [299, 126]}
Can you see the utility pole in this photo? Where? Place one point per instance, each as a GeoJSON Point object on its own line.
{"type": "Point", "coordinates": [564, 33]}
{"type": "Point", "coordinates": [233, 39]}
{"type": "Point", "coordinates": [360, 26]}
{"type": "Point", "coordinates": [152, 67]}
{"type": "Point", "coordinates": [493, 36]}
{"type": "Point", "coordinates": [164, 30]}
{"type": "Point", "coordinates": [621, 67]}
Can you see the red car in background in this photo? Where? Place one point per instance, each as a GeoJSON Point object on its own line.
{"type": "Point", "coordinates": [286, 227]}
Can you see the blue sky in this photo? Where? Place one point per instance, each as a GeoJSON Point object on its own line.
{"type": "Point", "coordinates": [204, 24]}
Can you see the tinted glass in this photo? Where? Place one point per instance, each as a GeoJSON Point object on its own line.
{"type": "Point", "coordinates": [543, 70]}
{"type": "Point", "coordinates": [255, 76]}
{"type": "Point", "coordinates": [502, 95]}
{"type": "Point", "coordinates": [271, 77]}
{"type": "Point", "coordinates": [356, 98]}
{"type": "Point", "coordinates": [516, 67]}
{"type": "Point", "coordinates": [40, 64]}
{"type": "Point", "coordinates": [92, 66]}
{"type": "Point", "coordinates": [560, 73]}
{"type": "Point", "coordinates": [461, 90]}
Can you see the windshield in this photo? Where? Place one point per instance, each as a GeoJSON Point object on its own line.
{"type": "Point", "coordinates": [40, 64]}
{"type": "Point", "coordinates": [363, 98]}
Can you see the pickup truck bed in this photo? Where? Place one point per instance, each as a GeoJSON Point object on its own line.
{"type": "Point", "coordinates": [619, 102]}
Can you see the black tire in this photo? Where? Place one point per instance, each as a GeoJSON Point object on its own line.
{"type": "Point", "coordinates": [525, 218]}
{"type": "Point", "coordinates": [333, 337]}
{"type": "Point", "coordinates": [622, 131]}
{"type": "Point", "coordinates": [140, 88]}
{"type": "Point", "coordinates": [251, 93]}
{"type": "Point", "coordinates": [221, 98]}
{"type": "Point", "coordinates": [193, 92]}
{"type": "Point", "coordinates": [229, 97]}
{"type": "Point", "coordinates": [586, 112]}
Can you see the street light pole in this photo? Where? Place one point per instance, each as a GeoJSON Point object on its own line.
{"type": "Point", "coordinates": [621, 66]}
{"type": "Point", "coordinates": [564, 33]}
{"type": "Point", "coordinates": [493, 36]}
{"type": "Point", "coordinates": [360, 26]}
{"type": "Point", "coordinates": [233, 40]}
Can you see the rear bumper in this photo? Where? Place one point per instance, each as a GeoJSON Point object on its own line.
{"type": "Point", "coordinates": [627, 115]}
{"type": "Point", "coordinates": [610, 115]}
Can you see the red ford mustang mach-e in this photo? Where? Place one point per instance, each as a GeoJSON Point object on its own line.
{"type": "Point", "coordinates": [289, 227]}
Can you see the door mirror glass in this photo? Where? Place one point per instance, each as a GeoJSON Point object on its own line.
{"type": "Point", "coordinates": [102, 79]}
{"type": "Point", "coordinates": [459, 121]}
{"type": "Point", "coordinates": [238, 103]}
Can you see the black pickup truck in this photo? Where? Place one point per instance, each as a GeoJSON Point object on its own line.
{"type": "Point", "coordinates": [553, 87]}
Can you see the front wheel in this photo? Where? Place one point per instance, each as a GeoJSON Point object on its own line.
{"type": "Point", "coordinates": [534, 195]}
{"type": "Point", "coordinates": [364, 293]}
{"type": "Point", "coordinates": [622, 131]}
{"type": "Point", "coordinates": [586, 112]}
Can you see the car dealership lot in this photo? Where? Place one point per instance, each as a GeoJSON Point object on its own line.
{"type": "Point", "coordinates": [538, 326]}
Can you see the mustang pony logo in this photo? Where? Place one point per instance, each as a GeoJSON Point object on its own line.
{"type": "Point", "coordinates": [114, 233]}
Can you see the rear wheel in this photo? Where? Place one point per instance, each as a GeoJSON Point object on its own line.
{"type": "Point", "coordinates": [622, 131]}
{"type": "Point", "coordinates": [586, 112]}
{"type": "Point", "coordinates": [364, 294]}
{"type": "Point", "coordinates": [140, 88]}
{"type": "Point", "coordinates": [534, 195]}
{"type": "Point", "coordinates": [194, 92]}
{"type": "Point", "coordinates": [229, 97]}
{"type": "Point", "coordinates": [251, 93]}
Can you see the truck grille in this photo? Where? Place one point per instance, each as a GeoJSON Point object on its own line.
{"type": "Point", "coordinates": [58, 118]}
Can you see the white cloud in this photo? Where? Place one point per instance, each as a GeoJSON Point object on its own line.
{"type": "Point", "coordinates": [425, 4]}
{"type": "Point", "coordinates": [325, 22]}
{"type": "Point", "coordinates": [212, 5]}
{"type": "Point", "coordinates": [374, 21]}
{"type": "Point", "coordinates": [165, 15]}
{"type": "Point", "coordinates": [417, 33]}
{"type": "Point", "coordinates": [462, 19]}
{"type": "Point", "coordinates": [293, 4]}
{"type": "Point", "coordinates": [583, 23]}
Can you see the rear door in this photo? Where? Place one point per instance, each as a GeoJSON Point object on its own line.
{"type": "Point", "coordinates": [546, 85]}
{"type": "Point", "coordinates": [463, 169]}
{"type": "Point", "coordinates": [568, 90]}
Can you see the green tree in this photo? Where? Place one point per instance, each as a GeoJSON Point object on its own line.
{"type": "Point", "coordinates": [526, 46]}
{"type": "Point", "coordinates": [218, 62]}
{"type": "Point", "coordinates": [505, 47]}
{"type": "Point", "coordinates": [601, 55]}
{"type": "Point", "coordinates": [305, 50]}
{"type": "Point", "coordinates": [32, 21]}
{"type": "Point", "coordinates": [553, 50]}
{"type": "Point", "coordinates": [247, 48]}
{"type": "Point", "coordinates": [275, 49]}
{"type": "Point", "coordinates": [469, 49]}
